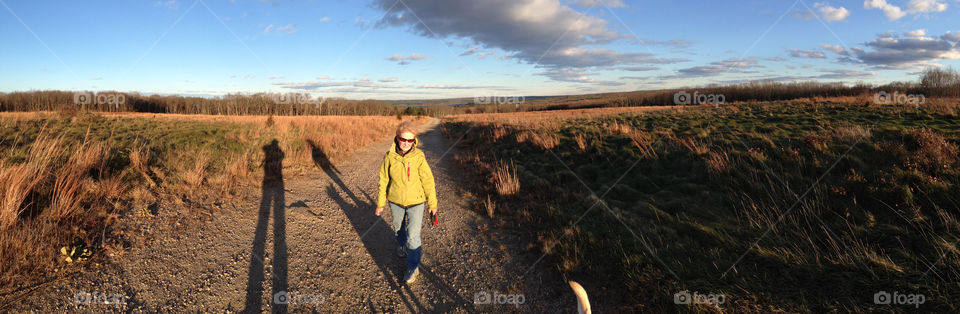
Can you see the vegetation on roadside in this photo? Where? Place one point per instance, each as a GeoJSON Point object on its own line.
{"type": "Point", "coordinates": [841, 201]}
{"type": "Point", "coordinates": [67, 178]}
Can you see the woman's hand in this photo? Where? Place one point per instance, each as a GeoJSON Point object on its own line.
{"type": "Point", "coordinates": [378, 211]}
{"type": "Point", "coordinates": [433, 211]}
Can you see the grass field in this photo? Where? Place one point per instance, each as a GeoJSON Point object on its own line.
{"type": "Point", "coordinates": [793, 206]}
{"type": "Point", "coordinates": [67, 178]}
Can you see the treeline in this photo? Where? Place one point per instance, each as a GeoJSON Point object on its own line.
{"type": "Point", "coordinates": [231, 104]}
{"type": "Point", "coordinates": [933, 82]}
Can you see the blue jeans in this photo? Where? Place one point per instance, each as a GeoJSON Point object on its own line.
{"type": "Point", "coordinates": [409, 233]}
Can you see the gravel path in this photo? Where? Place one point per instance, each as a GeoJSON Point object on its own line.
{"type": "Point", "coordinates": [313, 237]}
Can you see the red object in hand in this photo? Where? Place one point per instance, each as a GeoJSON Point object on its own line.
{"type": "Point", "coordinates": [434, 219]}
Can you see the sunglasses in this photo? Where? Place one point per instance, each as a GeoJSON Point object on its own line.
{"type": "Point", "coordinates": [403, 140]}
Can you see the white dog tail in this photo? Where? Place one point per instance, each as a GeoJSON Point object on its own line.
{"type": "Point", "coordinates": [583, 304]}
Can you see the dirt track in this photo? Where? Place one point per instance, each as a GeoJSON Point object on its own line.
{"type": "Point", "coordinates": [314, 237]}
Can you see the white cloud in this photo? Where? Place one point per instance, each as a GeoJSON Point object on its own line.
{"type": "Point", "coordinates": [406, 60]}
{"type": "Point", "coordinates": [640, 68]}
{"type": "Point", "coordinates": [575, 75]}
{"type": "Point", "coordinates": [827, 74]}
{"type": "Point", "coordinates": [831, 14]}
{"type": "Point", "coordinates": [470, 51]}
{"type": "Point", "coordinates": [483, 55]}
{"type": "Point", "coordinates": [955, 37]}
{"type": "Point", "coordinates": [889, 51]}
{"type": "Point", "coordinates": [732, 65]}
{"type": "Point", "coordinates": [286, 30]}
{"type": "Point", "coordinates": [315, 85]}
{"type": "Point", "coordinates": [289, 29]}
{"type": "Point", "coordinates": [887, 34]}
{"type": "Point", "coordinates": [835, 49]}
{"type": "Point", "coordinates": [916, 33]}
{"type": "Point", "coordinates": [446, 86]}
{"type": "Point", "coordinates": [892, 12]}
{"type": "Point", "coordinates": [807, 54]}
{"type": "Point", "coordinates": [325, 19]}
{"type": "Point", "coordinates": [843, 74]}
{"type": "Point", "coordinates": [675, 43]}
{"type": "Point", "coordinates": [926, 6]}
{"type": "Point", "coordinates": [388, 79]}
{"type": "Point", "coordinates": [915, 7]}
{"type": "Point", "coordinates": [544, 33]}
{"type": "Point", "coordinates": [592, 3]}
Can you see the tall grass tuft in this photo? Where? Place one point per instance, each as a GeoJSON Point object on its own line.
{"type": "Point", "coordinates": [17, 182]}
{"type": "Point", "coordinates": [489, 206]}
{"type": "Point", "coordinates": [66, 196]}
{"type": "Point", "coordinates": [195, 176]}
{"type": "Point", "coordinates": [718, 162]}
{"type": "Point", "coordinates": [140, 161]}
{"type": "Point", "coordinates": [506, 180]}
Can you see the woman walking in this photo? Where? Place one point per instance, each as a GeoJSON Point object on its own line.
{"type": "Point", "coordinates": [406, 183]}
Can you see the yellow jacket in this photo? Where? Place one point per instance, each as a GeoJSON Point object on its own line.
{"type": "Point", "coordinates": [406, 180]}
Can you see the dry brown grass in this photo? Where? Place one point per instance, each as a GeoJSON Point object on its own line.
{"type": "Point", "coordinates": [489, 207]}
{"type": "Point", "coordinates": [54, 197]}
{"type": "Point", "coordinates": [498, 131]}
{"type": "Point", "coordinates": [934, 151]}
{"type": "Point", "coordinates": [68, 173]}
{"type": "Point", "coordinates": [140, 162]}
{"type": "Point", "coordinates": [938, 105]}
{"type": "Point", "coordinates": [62, 190]}
{"type": "Point", "coordinates": [71, 177]}
{"type": "Point", "coordinates": [195, 176]}
{"type": "Point", "coordinates": [718, 162]}
{"type": "Point", "coordinates": [109, 188]}
{"type": "Point", "coordinates": [336, 136]}
{"type": "Point", "coordinates": [851, 134]}
{"type": "Point", "coordinates": [237, 170]}
{"type": "Point", "coordinates": [65, 201]}
{"type": "Point", "coordinates": [17, 182]}
{"type": "Point", "coordinates": [540, 138]}
{"type": "Point", "coordinates": [549, 118]}
{"type": "Point", "coordinates": [26, 250]}
{"type": "Point", "coordinates": [506, 180]}
{"type": "Point", "coordinates": [641, 139]}
{"type": "Point", "coordinates": [618, 128]}
{"type": "Point", "coordinates": [581, 142]}
{"type": "Point", "coordinates": [694, 145]}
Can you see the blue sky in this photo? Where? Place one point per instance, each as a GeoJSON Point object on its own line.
{"type": "Point", "coordinates": [414, 49]}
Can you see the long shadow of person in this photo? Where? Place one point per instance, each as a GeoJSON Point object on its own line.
{"type": "Point", "coordinates": [272, 197]}
{"type": "Point", "coordinates": [372, 232]}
